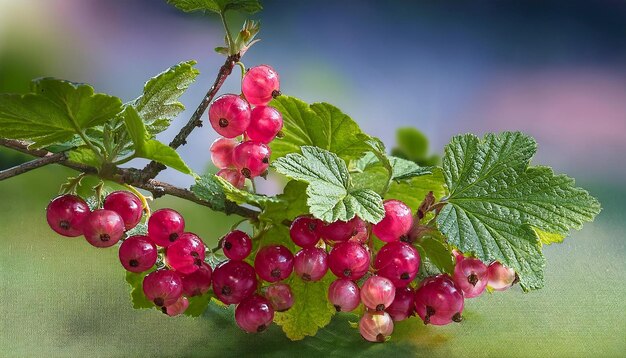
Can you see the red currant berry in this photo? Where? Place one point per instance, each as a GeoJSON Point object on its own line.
{"type": "Point", "coordinates": [199, 282]}
{"type": "Point", "coordinates": [280, 296]}
{"type": "Point", "coordinates": [186, 255]}
{"type": "Point", "coordinates": [165, 226]}
{"type": "Point", "coordinates": [349, 260]}
{"type": "Point", "coordinates": [254, 314]}
{"type": "Point", "coordinates": [251, 158]}
{"type": "Point", "coordinates": [273, 263]}
{"type": "Point", "coordinates": [177, 308]}
{"type": "Point", "coordinates": [163, 287]}
{"type": "Point", "coordinates": [229, 115]}
{"type": "Point", "coordinates": [233, 281]}
{"type": "Point", "coordinates": [222, 152]}
{"type": "Point", "coordinates": [402, 306]}
{"type": "Point", "coordinates": [138, 253]}
{"type": "Point", "coordinates": [397, 222]}
{"type": "Point", "coordinates": [500, 277]}
{"type": "Point", "coordinates": [260, 85]}
{"type": "Point", "coordinates": [66, 215]}
{"type": "Point", "coordinates": [376, 326]}
{"type": "Point", "coordinates": [127, 205]}
{"type": "Point", "coordinates": [103, 228]}
{"type": "Point", "coordinates": [340, 231]}
{"type": "Point", "coordinates": [233, 176]}
{"type": "Point", "coordinates": [344, 295]}
{"type": "Point", "coordinates": [438, 301]}
{"type": "Point", "coordinates": [265, 123]}
{"type": "Point", "coordinates": [310, 263]}
{"type": "Point", "coordinates": [304, 231]}
{"type": "Point", "coordinates": [397, 261]}
{"type": "Point", "coordinates": [236, 245]}
{"type": "Point", "coordinates": [377, 293]}
{"type": "Point", "coordinates": [470, 275]}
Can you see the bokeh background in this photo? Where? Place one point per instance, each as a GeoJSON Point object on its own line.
{"type": "Point", "coordinates": [556, 70]}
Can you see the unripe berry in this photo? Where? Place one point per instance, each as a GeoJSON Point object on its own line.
{"type": "Point", "coordinates": [127, 205]}
{"type": "Point", "coordinates": [103, 228]}
{"type": "Point", "coordinates": [138, 253]}
{"type": "Point", "coordinates": [304, 231]}
{"type": "Point", "coordinates": [163, 287]}
{"type": "Point", "coordinates": [186, 255]}
{"type": "Point", "coordinates": [377, 293]}
{"type": "Point", "coordinates": [344, 295]}
{"type": "Point", "coordinates": [165, 227]}
{"type": "Point", "coordinates": [265, 123]}
{"type": "Point", "coordinates": [177, 308]}
{"type": "Point", "coordinates": [376, 327]}
{"type": "Point", "coordinates": [222, 152]}
{"type": "Point", "coordinates": [260, 85]}
{"type": "Point", "coordinates": [438, 301]}
{"type": "Point", "coordinates": [254, 314]}
{"type": "Point", "coordinates": [236, 245]}
{"type": "Point", "coordinates": [233, 176]}
{"type": "Point", "coordinates": [251, 158]}
{"type": "Point", "coordinates": [280, 296]}
{"type": "Point", "coordinates": [349, 260]}
{"type": "Point", "coordinates": [399, 262]}
{"type": "Point", "coordinates": [233, 281]}
{"type": "Point", "coordinates": [229, 115]}
{"type": "Point", "coordinates": [500, 277]}
{"type": "Point", "coordinates": [397, 222]}
{"type": "Point", "coordinates": [199, 282]}
{"type": "Point", "coordinates": [403, 305]}
{"type": "Point", "coordinates": [340, 231]}
{"type": "Point", "coordinates": [66, 215]}
{"type": "Point", "coordinates": [470, 275]}
{"type": "Point", "coordinates": [273, 263]}
{"type": "Point", "coordinates": [310, 263]}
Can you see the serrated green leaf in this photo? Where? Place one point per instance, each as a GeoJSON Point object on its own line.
{"type": "Point", "coordinates": [135, 280]}
{"type": "Point", "coordinates": [209, 189]}
{"type": "Point", "coordinates": [159, 104]}
{"type": "Point", "coordinates": [413, 191]}
{"type": "Point", "coordinates": [290, 204]}
{"type": "Point", "coordinates": [84, 155]}
{"type": "Point", "coordinates": [217, 6]}
{"type": "Point", "coordinates": [198, 304]}
{"type": "Point", "coordinates": [437, 253]}
{"type": "Point", "coordinates": [311, 310]}
{"type": "Point", "coordinates": [403, 169]}
{"type": "Point", "coordinates": [495, 198]}
{"type": "Point", "coordinates": [547, 238]}
{"type": "Point", "coordinates": [55, 112]}
{"type": "Point", "coordinates": [331, 196]}
{"type": "Point", "coordinates": [372, 173]}
{"type": "Point", "coordinates": [321, 125]}
{"type": "Point", "coordinates": [242, 196]}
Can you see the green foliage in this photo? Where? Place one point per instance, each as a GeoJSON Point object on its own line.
{"type": "Point", "coordinates": [331, 196]}
{"type": "Point", "coordinates": [413, 145]}
{"type": "Point", "coordinates": [209, 189]}
{"type": "Point", "coordinates": [217, 6]}
{"type": "Point", "coordinates": [413, 191]}
{"type": "Point", "coordinates": [84, 155]}
{"type": "Point", "coordinates": [547, 238]}
{"type": "Point", "coordinates": [495, 198]}
{"type": "Point", "coordinates": [290, 204]}
{"type": "Point", "coordinates": [371, 172]}
{"type": "Point", "coordinates": [135, 280]}
{"type": "Point", "coordinates": [437, 253]}
{"type": "Point", "coordinates": [198, 304]}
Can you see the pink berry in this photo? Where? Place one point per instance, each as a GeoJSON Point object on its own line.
{"type": "Point", "coordinates": [138, 253]}
{"type": "Point", "coordinates": [377, 293]}
{"type": "Point", "coordinates": [229, 115]}
{"type": "Point", "coordinates": [260, 85]}
{"type": "Point", "coordinates": [186, 255]}
{"type": "Point", "coordinates": [399, 262]}
{"type": "Point", "coordinates": [233, 176]}
{"type": "Point", "coordinates": [458, 255]}
{"type": "Point", "coordinates": [222, 152]}
{"type": "Point", "coordinates": [500, 277]}
{"type": "Point", "coordinates": [103, 228]}
{"type": "Point", "coordinates": [251, 158]}
{"type": "Point", "coordinates": [304, 231]}
{"type": "Point", "coordinates": [66, 215]}
{"type": "Point", "coordinates": [349, 260]}
{"type": "Point", "coordinates": [311, 263]}
{"type": "Point", "coordinates": [470, 275]}
{"type": "Point", "coordinates": [376, 326]}
{"type": "Point", "coordinates": [199, 282]}
{"type": "Point", "coordinates": [273, 263]}
{"type": "Point", "coordinates": [236, 245]}
{"type": "Point", "coordinates": [233, 281]}
{"type": "Point", "coordinates": [127, 205]}
{"type": "Point", "coordinates": [438, 301]}
{"type": "Point", "coordinates": [265, 123]}
{"type": "Point", "coordinates": [340, 231]}
{"type": "Point", "coordinates": [344, 295]}
{"type": "Point", "coordinates": [280, 296]}
{"type": "Point", "coordinates": [254, 314]}
{"type": "Point", "coordinates": [402, 306]}
{"type": "Point", "coordinates": [165, 226]}
{"type": "Point", "coordinates": [177, 308]}
{"type": "Point", "coordinates": [397, 222]}
{"type": "Point", "coordinates": [163, 287]}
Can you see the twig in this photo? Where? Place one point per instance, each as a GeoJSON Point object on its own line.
{"type": "Point", "coordinates": [153, 168]}
{"type": "Point", "coordinates": [33, 164]}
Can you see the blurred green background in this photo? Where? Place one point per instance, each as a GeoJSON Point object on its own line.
{"type": "Point", "coordinates": [555, 70]}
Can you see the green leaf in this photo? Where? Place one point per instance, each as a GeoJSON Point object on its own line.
{"type": "Point", "coordinates": [321, 125]}
{"type": "Point", "coordinates": [159, 104]}
{"type": "Point", "coordinates": [547, 238]}
{"type": "Point", "coordinates": [84, 155]}
{"type": "Point", "coordinates": [241, 196]}
{"type": "Point", "coordinates": [290, 204]}
{"type": "Point", "coordinates": [217, 6]}
{"type": "Point", "coordinates": [371, 173]}
{"type": "Point", "coordinates": [135, 280]}
{"type": "Point", "coordinates": [311, 309]}
{"type": "Point", "coordinates": [413, 191]}
{"type": "Point", "coordinates": [55, 112]}
{"type": "Point", "coordinates": [198, 304]}
{"type": "Point", "coordinates": [438, 254]}
{"type": "Point", "coordinates": [331, 196]}
{"type": "Point", "coordinates": [209, 189]}
{"type": "Point", "coordinates": [403, 169]}
{"type": "Point", "coordinates": [495, 198]}
{"type": "Point", "coordinates": [413, 145]}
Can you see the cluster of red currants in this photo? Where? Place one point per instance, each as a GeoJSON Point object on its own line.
{"type": "Point", "coordinates": [231, 116]}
